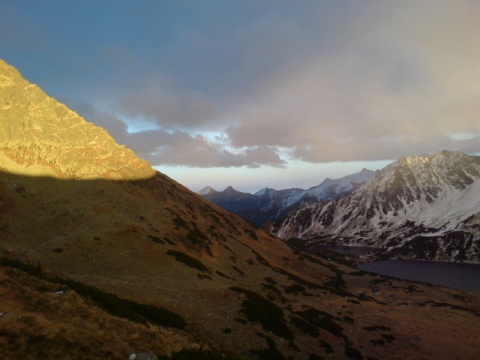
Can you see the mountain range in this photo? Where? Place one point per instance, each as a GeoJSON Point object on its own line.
{"type": "Point", "coordinates": [424, 207]}
{"type": "Point", "coordinates": [102, 257]}
{"type": "Point", "coordinates": [268, 204]}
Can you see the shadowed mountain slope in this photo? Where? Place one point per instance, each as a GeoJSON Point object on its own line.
{"type": "Point", "coordinates": [149, 250]}
{"type": "Point", "coordinates": [268, 205]}
{"type": "Point", "coordinates": [43, 318]}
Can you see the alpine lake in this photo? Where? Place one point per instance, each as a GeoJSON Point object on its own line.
{"type": "Point", "coordinates": [461, 276]}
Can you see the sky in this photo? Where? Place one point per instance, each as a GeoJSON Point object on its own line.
{"type": "Point", "coordinates": [256, 93]}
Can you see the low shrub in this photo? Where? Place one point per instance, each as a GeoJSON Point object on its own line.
{"type": "Point", "coordinates": [187, 260]}
{"type": "Point", "coordinates": [318, 319]}
{"type": "Point", "coordinates": [269, 315]}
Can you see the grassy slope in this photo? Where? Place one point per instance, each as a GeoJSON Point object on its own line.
{"type": "Point", "coordinates": [45, 320]}
{"type": "Point", "coordinates": [128, 238]}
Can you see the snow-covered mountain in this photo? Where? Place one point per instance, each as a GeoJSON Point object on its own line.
{"type": "Point", "coordinates": [424, 207]}
{"type": "Point", "coordinates": [329, 189]}
{"type": "Point", "coordinates": [268, 204]}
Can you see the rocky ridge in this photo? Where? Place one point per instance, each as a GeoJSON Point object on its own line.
{"type": "Point", "coordinates": [267, 204]}
{"type": "Point", "coordinates": [423, 207]}
{"type": "Point", "coordinates": [31, 138]}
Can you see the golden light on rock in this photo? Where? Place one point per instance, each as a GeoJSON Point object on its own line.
{"type": "Point", "coordinates": [41, 137]}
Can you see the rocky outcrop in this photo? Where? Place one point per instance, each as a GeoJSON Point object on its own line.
{"type": "Point", "coordinates": [42, 135]}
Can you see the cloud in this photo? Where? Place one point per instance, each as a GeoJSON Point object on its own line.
{"type": "Point", "coordinates": [230, 84]}
{"type": "Point", "coordinates": [374, 82]}
{"type": "Point", "coordinates": [400, 80]}
{"type": "Point", "coordinates": [201, 75]}
{"type": "Point", "coordinates": [169, 106]}
{"type": "Point", "coordinates": [177, 148]}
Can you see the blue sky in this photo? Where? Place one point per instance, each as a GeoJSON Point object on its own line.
{"type": "Point", "coordinates": [258, 93]}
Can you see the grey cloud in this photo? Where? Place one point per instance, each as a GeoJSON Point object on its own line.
{"type": "Point", "coordinates": [324, 81]}
{"type": "Point", "coordinates": [262, 155]}
{"type": "Point", "coordinates": [274, 43]}
{"type": "Point", "coordinates": [405, 76]}
{"type": "Point", "coordinates": [179, 148]}
{"type": "Point", "coordinates": [200, 75]}
{"type": "Point", "coordinates": [382, 149]}
{"type": "Point", "coordinates": [396, 84]}
{"type": "Point", "coordinates": [378, 82]}
{"type": "Point", "coordinates": [263, 129]}
{"type": "Point", "coordinates": [171, 109]}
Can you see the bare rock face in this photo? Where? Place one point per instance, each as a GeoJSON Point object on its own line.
{"type": "Point", "coordinates": [40, 136]}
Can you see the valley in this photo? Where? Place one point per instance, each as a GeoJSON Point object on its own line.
{"type": "Point", "coordinates": [423, 207]}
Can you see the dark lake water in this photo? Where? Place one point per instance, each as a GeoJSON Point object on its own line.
{"type": "Point", "coordinates": [453, 275]}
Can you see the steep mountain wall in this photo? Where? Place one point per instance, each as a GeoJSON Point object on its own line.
{"type": "Point", "coordinates": [428, 203]}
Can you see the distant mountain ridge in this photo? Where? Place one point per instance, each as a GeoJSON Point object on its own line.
{"type": "Point", "coordinates": [268, 204]}
{"type": "Point", "coordinates": [425, 207]}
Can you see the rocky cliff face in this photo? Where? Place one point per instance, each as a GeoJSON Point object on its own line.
{"type": "Point", "coordinates": [40, 134]}
{"type": "Point", "coordinates": [424, 207]}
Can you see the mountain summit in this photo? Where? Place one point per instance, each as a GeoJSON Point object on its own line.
{"type": "Point", "coordinates": [41, 136]}
{"type": "Point", "coordinates": [268, 205]}
{"type": "Point", "coordinates": [427, 207]}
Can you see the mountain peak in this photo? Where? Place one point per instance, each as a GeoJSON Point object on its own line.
{"type": "Point", "coordinates": [437, 194]}
{"type": "Point", "coordinates": [444, 158]}
{"type": "Point", "coordinates": [206, 190]}
{"type": "Point", "coordinates": [40, 136]}
{"type": "Point", "coordinates": [264, 191]}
